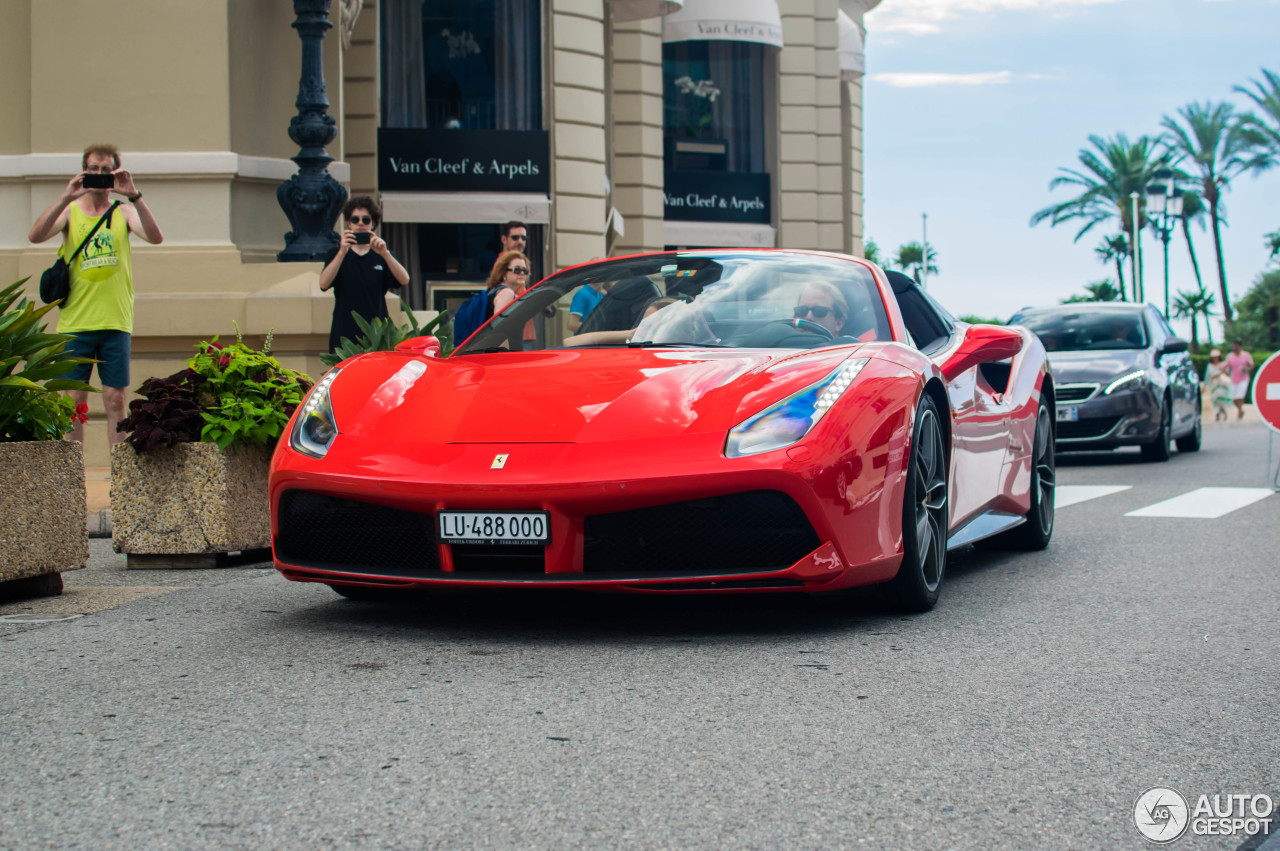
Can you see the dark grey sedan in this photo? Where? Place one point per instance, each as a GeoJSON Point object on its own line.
{"type": "Point", "coordinates": [1122, 378]}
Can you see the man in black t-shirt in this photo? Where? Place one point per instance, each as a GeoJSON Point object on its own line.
{"type": "Point", "coordinates": [360, 270]}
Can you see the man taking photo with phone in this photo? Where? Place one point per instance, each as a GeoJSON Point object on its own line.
{"type": "Point", "coordinates": [99, 311]}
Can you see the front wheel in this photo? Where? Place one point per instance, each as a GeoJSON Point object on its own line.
{"type": "Point", "coordinates": [1159, 449]}
{"type": "Point", "coordinates": [925, 516]}
{"type": "Point", "coordinates": [1034, 534]}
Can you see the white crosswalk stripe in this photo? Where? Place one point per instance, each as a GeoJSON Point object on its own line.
{"type": "Point", "coordinates": [1204, 503]}
{"type": "Point", "coordinates": [1065, 495]}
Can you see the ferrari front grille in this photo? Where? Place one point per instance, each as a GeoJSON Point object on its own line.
{"type": "Point", "coordinates": [754, 531]}
{"type": "Point", "coordinates": [335, 533]}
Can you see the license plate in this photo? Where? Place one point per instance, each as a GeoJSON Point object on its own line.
{"type": "Point", "coordinates": [494, 527]}
{"type": "Point", "coordinates": [1068, 415]}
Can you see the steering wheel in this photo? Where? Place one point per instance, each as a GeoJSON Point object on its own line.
{"type": "Point", "coordinates": [810, 326]}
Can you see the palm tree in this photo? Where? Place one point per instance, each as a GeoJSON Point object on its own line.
{"type": "Point", "coordinates": [871, 251]}
{"type": "Point", "coordinates": [1265, 127]}
{"type": "Point", "coordinates": [1212, 137]}
{"type": "Point", "coordinates": [1115, 247]}
{"type": "Point", "coordinates": [910, 257]}
{"type": "Point", "coordinates": [1112, 172]}
{"type": "Point", "coordinates": [1190, 305]}
{"type": "Point", "coordinates": [1273, 244]}
{"type": "Point", "coordinates": [1104, 290]}
{"type": "Point", "coordinates": [1192, 211]}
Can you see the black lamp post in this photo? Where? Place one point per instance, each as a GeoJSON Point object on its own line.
{"type": "Point", "coordinates": [1164, 208]}
{"type": "Point", "coordinates": [311, 199]}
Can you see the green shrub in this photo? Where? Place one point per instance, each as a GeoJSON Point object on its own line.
{"type": "Point", "coordinates": [32, 361]}
{"type": "Point", "coordinates": [242, 397]}
{"type": "Point", "coordinates": [383, 335]}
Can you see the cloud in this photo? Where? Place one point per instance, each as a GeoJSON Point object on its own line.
{"type": "Point", "coordinates": [920, 79]}
{"type": "Point", "coordinates": [922, 17]}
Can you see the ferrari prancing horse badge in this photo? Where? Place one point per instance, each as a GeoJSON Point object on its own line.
{"type": "Point", "coordinates": [499, 461]}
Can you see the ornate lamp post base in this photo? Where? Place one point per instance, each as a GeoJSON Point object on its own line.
{"type": "Point", "coordinates": [311, 199]}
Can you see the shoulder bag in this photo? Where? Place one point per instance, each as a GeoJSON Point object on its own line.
{"type": "Point", "coordinates": [55, 283]}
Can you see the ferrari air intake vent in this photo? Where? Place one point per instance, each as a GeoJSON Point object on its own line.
{"type": "Point", "coordinates": [327, 532]}
{"type": "Point", "coordinates": [753, 531]}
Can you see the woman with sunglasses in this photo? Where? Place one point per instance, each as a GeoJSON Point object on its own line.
{"type": "Point", "coordinates": [509, 278]}
{"type": "Point", "coordinates": [360, 270]}
{"type": "Point", "coordinates": [822, 303]}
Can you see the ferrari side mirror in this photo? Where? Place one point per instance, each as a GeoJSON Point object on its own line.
{"type": "Point", "coordinates": [425, 346]}
{"type": "Point", "coordinates": [981, 344]}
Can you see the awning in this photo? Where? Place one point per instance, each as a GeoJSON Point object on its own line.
{"type": "Point", "coordinates": [638, 10]}
{"type": "Point", "coordinates": [853, 61]}
{"type": "Point", "coordinates": [725, 20]}
{"type": "Point", "coordinates": [466, 207]}
{"type": "Point", "coordinates": [855, 9]}
{"type": "Point", "coordinates": [719, 235]}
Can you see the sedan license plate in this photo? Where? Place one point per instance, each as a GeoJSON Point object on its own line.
{"type": "Point", "coordinates": [1068, 415]}
{"type": "Point", "coordinates": [494, 527]}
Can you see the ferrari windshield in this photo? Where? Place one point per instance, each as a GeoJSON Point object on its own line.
{"type": "Point", "coordinates": [696, 299]}
{"type": "Point", "coordinates": [1080, 330]}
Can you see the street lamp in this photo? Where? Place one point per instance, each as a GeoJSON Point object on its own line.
{"type": "Point", "coordinates": [1164, 207]}
{"type": "Point", "coordinates": [1134, 248]}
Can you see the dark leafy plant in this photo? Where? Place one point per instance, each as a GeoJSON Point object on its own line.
{"type": "Point", "coordinates": [167, 414]}
{"type": "Point", "coordinates": [247, 396]}
{"type": "Point", "coordinates": [32, 361]}
{"type": "Point", "coordinates": [229, 395]}
{"type": "Point", "coordinates": [383, 335]}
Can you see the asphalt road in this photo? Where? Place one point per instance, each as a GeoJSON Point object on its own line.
{"type": "Point", "coordinates": [233, 709]}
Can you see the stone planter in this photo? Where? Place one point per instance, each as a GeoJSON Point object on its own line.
{"type": "Point", "coordinates": [42, 515]}
{"type": "Point", "coordinates": [190, 504]}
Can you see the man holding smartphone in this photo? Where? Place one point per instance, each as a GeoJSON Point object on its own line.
{"type": "Point", "coordinates": [360, 270]}
{"type": "Point", "coordinates": [99, 311]}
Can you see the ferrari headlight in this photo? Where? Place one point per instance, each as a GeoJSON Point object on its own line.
{"type": "Point", "coordinates": [315, 429]}
{"type": "Point", "coordinates": [1125, 382]}
{"type": "Point", "coordinates": [784, 423]}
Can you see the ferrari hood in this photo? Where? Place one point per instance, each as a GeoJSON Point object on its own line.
{"type": "Point", "coordinates": [1098, 366]}
{"type": "Point", "coordinates": [566, 396]}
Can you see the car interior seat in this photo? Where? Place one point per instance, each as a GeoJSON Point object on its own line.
{"type": "Point", "coordinates": [622, 306]}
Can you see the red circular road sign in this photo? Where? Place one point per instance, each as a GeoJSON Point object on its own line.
{"type": "Point", "coordinates": [1266, 392]}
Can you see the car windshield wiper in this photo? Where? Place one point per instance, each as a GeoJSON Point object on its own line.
{"type": "Point", "coordinates": [650, 344]}
{"type": "Point", "coordinates": [488, 350]}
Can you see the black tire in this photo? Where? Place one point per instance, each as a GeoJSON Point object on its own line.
{"type": "Point", "coordinates": [925, 516]}
{"type": "Point", "coordinates": [1160, 449]}
{"type": "Point", "coordinates": [1037, 530]}
{"type": "Point", "coordinates": [366, 594]}
{"type": "Point", "coordinates": [1190, 442]}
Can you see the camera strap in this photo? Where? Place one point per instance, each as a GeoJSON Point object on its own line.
{"type": "Point", "coordinates": [105, 217]}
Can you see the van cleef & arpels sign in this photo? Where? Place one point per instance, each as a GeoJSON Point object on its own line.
{"type": "Point", "coordinates": [704, 196]}
{"type": "Point", "coordinates": [411, 160]}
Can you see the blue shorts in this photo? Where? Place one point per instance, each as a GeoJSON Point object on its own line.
{"type": "Point", "coordinates": [112, 348]}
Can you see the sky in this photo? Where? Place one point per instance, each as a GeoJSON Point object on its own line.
{"type": "Point", "coordinates": [971, 108]}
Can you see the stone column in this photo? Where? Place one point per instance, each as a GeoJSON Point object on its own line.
{"type": "Point", "coordinates": [637, 134]}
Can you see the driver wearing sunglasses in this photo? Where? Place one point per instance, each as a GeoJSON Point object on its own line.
{"type": "Point", "coordinates": [822, 303]}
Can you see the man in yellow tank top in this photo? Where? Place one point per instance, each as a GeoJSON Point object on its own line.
{"type": "Point", "coordinates": [99, 311]}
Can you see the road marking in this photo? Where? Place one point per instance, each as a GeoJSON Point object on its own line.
{"type": "Point", "coordinates": [1204, 503]}
{"type": "Point", "coordinates": [1065, 495]}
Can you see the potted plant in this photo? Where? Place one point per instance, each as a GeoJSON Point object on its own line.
{"type": "Point", "coordinates": [383, 335]}
{"type": "Point", "coordinates": [189, 483]}
{"type": "Point", "coordinates": [42, 492]}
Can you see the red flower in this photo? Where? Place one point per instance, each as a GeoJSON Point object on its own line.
{"type": "Point", "coordinates": [82, 413]}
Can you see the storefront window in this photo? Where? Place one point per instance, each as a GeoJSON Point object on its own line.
{"type": "Point", "coordinates": [714, 106]}
{"type": "Point", "coordinates": [462, 64]}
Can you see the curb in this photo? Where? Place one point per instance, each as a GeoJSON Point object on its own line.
{"type": "Point", "coordinates": [99, 523]}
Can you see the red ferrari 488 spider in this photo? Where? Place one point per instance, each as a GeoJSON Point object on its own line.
{"type": "Point", "coordinates": [723, 421]}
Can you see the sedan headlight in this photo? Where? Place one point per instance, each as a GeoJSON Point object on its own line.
{"type": "Point", "coordinates": [315, 429]}
{"type": "Point", "coordinates": [1125, 382]}
{"type": "Point", "coordinates": [785, 422]}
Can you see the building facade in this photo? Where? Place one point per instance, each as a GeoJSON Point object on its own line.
{"type": "Point", "coordinates": [608, 126]}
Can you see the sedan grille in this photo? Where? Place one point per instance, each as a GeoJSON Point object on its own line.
{"type": "Point", "coordinates": [1075, 392]}
{"type": "Point", "coordinates": [753, 531]}
{"type": "Point", "coordinates": [330, 532]}
{"type": "Point", "coordinates": [1085, 429]}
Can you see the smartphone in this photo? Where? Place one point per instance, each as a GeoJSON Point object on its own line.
{"type": "Point", "coordinates": [363, 237]}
